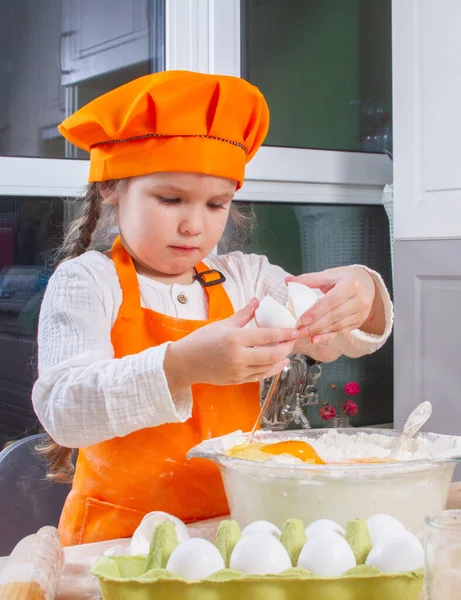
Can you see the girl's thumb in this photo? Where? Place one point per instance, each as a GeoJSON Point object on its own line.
{"type": "Point", "coordinates": [244, 315]}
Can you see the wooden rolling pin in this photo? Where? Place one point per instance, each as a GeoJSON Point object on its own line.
{"type": "Point", "coordinates": [33, 569]}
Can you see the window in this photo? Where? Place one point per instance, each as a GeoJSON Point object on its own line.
{"type": "Point", "coordinates": [31, 229]}
{"type": "Point", "coordinates": [325, 69]}
{"type": "Point", "coordinates": [59, 55]}
{"type": "Point", "coordinates": [55, 56]}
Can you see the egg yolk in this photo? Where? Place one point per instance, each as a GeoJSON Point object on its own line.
{"type": "Point", "coordinates": [298, 449]}
{"type": "Point", "coordinates": [258, 451]}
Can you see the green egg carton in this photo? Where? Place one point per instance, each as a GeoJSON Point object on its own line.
{"type": "Point", "coordinates": [146, 578]}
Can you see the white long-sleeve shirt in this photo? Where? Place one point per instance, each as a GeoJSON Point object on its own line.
{"type": "Point", "coordinates": [84, 395]}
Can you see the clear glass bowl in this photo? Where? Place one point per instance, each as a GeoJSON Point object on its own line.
{"type": "Point", "coordinates": [410, 489]}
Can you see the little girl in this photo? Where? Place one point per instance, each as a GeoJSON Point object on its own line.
{"type": "Point", "coordinates": [144, 350]}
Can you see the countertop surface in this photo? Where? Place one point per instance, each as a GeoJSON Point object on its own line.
{"type": "Point", "coordinates": [78, 583]}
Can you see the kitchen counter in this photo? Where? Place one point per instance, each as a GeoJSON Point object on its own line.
{"type": "Point", "coordinates": [77, 582]}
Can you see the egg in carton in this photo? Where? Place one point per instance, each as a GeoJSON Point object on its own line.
{"type": "Point", "coordinates": [374, 559]}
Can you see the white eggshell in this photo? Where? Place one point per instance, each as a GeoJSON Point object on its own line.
{"type": "Point", "coordinates": [195, 558]}
{"type": "Point", "coordinates": [397, 554]}
{"type": "Point", "coordinates": [260, 553]}
{"type": "Point", "coordinates": [300, 298]}
{"type": "Point", "coordinates": [272, 314]}
{"type": "Point", "coordinates": [141, 539]}
{"type": "Point", "coordinates": [327, 555]}
{"type": "Point", "coordinates": [318, 527]}
{"type": "Point", "coordinates": [266, 526]}
{"type": "Point", "coordinates": [381, 526]}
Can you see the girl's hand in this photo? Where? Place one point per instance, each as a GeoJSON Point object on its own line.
{"type": "Point", "coordinates": [227, 353]}
{"type": "Point", "coordinates": [350, 302]}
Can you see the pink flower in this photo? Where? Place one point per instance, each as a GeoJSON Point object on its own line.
{"type": "Point", "coordinates": [327, 412]}
{"type": "Point", "coordinates": [350, 408]}
{"type": "Point", "coordinates": [352, 388]}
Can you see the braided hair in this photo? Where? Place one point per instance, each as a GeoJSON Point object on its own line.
{"type": "Point", "coordinates": [78, 240]}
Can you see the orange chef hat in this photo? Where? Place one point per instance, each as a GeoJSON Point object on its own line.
{"type": "Point", "coordinates": [171, 121]}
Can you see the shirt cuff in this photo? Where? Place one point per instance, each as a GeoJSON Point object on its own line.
{"type": "Point", "coordinates": [371, 342]}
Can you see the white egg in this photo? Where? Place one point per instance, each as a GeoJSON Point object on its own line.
{"type": "Point", "coordinates": [327, 555]}
{"type": "Point", "coordinates": [397, 554]}
{"type": "Point", "coordinates": [381, 526]}
{"type": "Point", "coordinates": [272, 314]}
{"type": "Point", "coordinates": [195, 558]}
{"type": "Point", "coordinates": [318, 527]}
{"type": "Point", "coordinates": [300, 298]}
{"type": "Point", "coordinates": [260, 553]}
{"type": "Point", "coordinates": [141, 539]}
{"type": "Point", "coordinates": [266, 526]}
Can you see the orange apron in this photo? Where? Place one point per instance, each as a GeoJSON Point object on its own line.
{"type": "Point", "coordinates": [118, 481]}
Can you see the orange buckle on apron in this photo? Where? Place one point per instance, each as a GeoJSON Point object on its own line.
{"type": "Point", "coordinates": [206, 282]}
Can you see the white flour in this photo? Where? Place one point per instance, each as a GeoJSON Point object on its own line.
{"type": "Point", "coordinates": [333, 446]}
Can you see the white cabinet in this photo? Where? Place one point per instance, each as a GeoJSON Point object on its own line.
{"type": "Point", "coordinates": [427, 128]}
{"type": "Point", "coordinates": [100, 36]}
{"type": "Point", "coordinates": [428, 331]}
{"type": "Point", "coordinates": [427, 209]}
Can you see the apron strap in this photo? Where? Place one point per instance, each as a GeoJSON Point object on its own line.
{"type": "Point", "coordinates": [219, 304]}
{"type": "Point", "coordinates": [131, 295]}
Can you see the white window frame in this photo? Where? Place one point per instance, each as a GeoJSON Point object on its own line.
{"type": "Point", "coordinates": [204, 35]}
{"type": "Point", "coordinates": [52, 177]}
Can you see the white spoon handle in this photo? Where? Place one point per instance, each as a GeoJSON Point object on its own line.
{"type": "Point", "coordinates": [412, 425]}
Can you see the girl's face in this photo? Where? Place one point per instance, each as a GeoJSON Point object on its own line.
{"type": "Point", "coordinates": [170, 221]}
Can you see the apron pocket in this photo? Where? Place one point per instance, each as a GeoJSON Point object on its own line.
{"type": "Point", "coordinates": [106, 521]}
